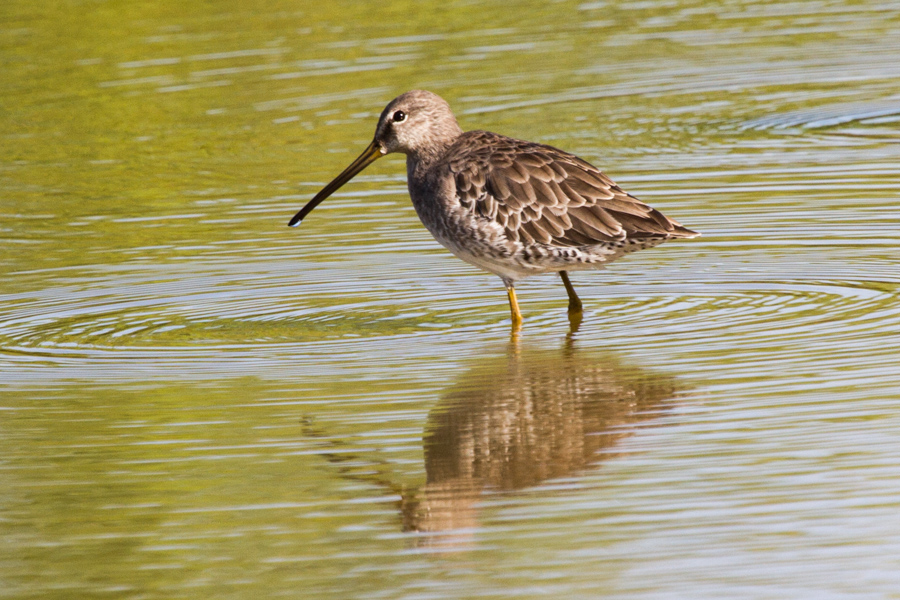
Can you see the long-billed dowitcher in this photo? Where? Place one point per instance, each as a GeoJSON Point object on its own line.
{"type": "Point", "coordinates": [510, 207]}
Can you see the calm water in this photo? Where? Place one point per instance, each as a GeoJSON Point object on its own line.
{"type": "Point", "coordinates": [198, 402]}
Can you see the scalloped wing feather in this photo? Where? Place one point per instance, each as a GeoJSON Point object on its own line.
{"type": "Point", "coordinates": [541, 194]}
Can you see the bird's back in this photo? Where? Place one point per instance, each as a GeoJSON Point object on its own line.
{"type": "Point", "coordinates": [540, 194]}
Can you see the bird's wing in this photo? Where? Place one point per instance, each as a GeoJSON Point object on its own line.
{"type": "Point", "coordinates": [541, 194]}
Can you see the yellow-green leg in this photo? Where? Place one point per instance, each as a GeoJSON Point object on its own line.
{"type": "Point", "coordinates": [575, 312]}
{"type": "Point", "coordinates": [514, 307]}
{"type": "Point", "coordinates": [574, 300]}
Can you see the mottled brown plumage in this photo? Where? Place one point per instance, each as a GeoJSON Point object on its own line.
{"type": "Point", "coordinates": [540, 194]}
{"type": "Point", "coordinates": [511, 207]}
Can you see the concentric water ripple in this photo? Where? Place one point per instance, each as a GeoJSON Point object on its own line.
{"type": "Point", "coordinates": [268, 317]}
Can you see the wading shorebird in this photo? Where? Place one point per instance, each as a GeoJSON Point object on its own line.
{"type": "Point", "coordinates": [510, 207]}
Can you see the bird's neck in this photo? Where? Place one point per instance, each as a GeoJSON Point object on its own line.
{"type": "Point", "coordinates": [422, 159]}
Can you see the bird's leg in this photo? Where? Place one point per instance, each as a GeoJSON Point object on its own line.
{"type": "Point", "coordinates": [513, 305]}
{"type": "Point", "coordinates": [575, 313]}
{"type": "Point", "coordinates": [574, 300]}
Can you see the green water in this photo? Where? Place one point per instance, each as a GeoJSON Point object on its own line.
{"type": "Point", "coordinates": [199, 402]}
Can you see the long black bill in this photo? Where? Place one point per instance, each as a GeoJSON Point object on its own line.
{"type": "Point", "coordinates": [369, 155]}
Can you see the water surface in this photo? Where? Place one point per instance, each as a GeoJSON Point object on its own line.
{"type": "Point", "coordinates": [199, 402]}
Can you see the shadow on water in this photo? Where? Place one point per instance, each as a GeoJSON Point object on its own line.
{"type": "Point", "coordinates": [514, 421]}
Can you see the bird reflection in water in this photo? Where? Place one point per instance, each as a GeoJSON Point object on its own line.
{"type": "Point", "coordinates": [520, 420]}
{"type": "Point", "coordinates": [510, 423]}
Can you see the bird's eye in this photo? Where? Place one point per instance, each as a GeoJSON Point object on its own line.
{"type": "Point", "coordinates": [399, 116]}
